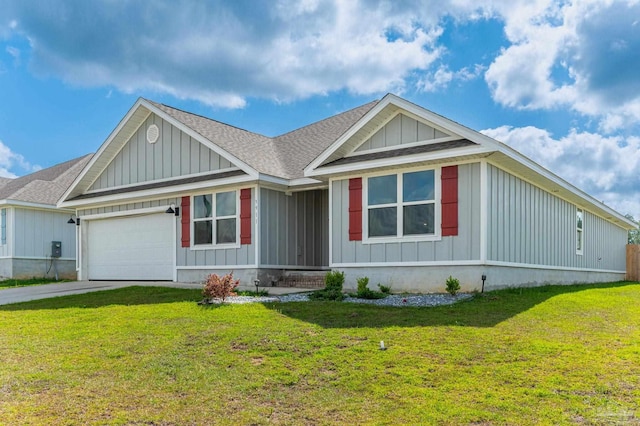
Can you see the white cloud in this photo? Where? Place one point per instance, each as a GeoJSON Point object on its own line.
{"type": "Point", "coordinates": [15, 54]}
{"type": "Point", "coordinates": [443, 77]}
{"type": "Point", "coordinates": [576, 54]}
{"type": "Point", "coordinates": [604, 167]}
{"type": "Point", "coordinates": [220, 53]}
{"type": "Point", "coordinates": [11, 161]}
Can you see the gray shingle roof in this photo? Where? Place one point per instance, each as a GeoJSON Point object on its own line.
{"type": "Point", "coordinates": [284, 156]}
{"type": "Point", "coordinates": [44, 186]}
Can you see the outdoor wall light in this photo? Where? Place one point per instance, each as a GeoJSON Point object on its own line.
{"type": "Point", "coordinates": [173, 210]}
{"type": "Point", "coordinates": [77, 221]}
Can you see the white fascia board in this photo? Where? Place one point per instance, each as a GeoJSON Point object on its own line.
{"type": "Point", "coordinates": [206, 142]}
{"type": "Point", "coordinates": [290, 184]}
{"type": "Point", "coordinates": [102, 148]}
{"type": "Point", "coordinates": [154, 193]}
{"type": "Point", "coordinates": [402, 160]}
{"type": "Point", "coordinates": [38, 206]}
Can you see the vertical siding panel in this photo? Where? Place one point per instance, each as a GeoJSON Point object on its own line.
{"type": "Point", "coordinates": [165, 163]}
{"type": "Point", "coordinates": [118, 166]}
{"type": "Point", "coordinates": [204, 158]}
{"type": "Point", "coordinates": [195, 156]}
{"type": "Point", "coordinates": [336, 220]}
{"type": "Point", "coordinates": [393, 132]}
{"type": "Point", "coordinates": [126, 163]}
{"type": "Point", "coordinates": [409, 130]}
{"type": "Point", "coordinates": [185, 154]}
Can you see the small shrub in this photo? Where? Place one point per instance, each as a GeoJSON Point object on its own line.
{"type": "Point", "coordinates": [216, 287]}
{"type": "Point", "coordinates": [386, 289]}
{"type": "Point", "coordinates": [453, 285]}
{"type": "Point", "coordinates": [334, 280]}
{"type": "Point", "coordinates": [365, 292]}
{"type": "Point", "coordinates": [253, 293]}
{"type": "Point", "coordinates": [362, 284]}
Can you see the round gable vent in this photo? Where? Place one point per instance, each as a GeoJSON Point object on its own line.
{"type": "Point", "coordinates": [153, 133]}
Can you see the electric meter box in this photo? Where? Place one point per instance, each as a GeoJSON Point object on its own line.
{"type": "Point", "coordinates": [56, 249]}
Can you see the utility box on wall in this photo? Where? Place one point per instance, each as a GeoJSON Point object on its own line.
{"type": "Point", "coordinates": [56, 249]}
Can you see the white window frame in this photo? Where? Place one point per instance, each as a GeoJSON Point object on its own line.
{"type": "Point", "coordinates": [579, 235]}
{"type": "Point", "coordinates": [214, 218]}
{"type": "Point", "coordinates": [399, 204]}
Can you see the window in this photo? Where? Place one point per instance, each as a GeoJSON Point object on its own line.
{"type": "Point", "coordinates": [579, 231]}
{"type": "Point", "coordinates": [401, 205]}
{"type": "Point", "coordinates": [3, 226]}
{"type": "Point", "coordinates": [215, 218]}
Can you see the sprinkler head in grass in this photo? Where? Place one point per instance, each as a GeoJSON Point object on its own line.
{"type": "Point", "coordinates": [382, 346]}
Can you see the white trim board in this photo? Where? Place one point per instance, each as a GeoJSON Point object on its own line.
{"type": "Point", "coordinates": [469, 263]}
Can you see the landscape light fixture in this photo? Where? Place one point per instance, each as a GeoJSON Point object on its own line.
{"type": "Point", "coordinates": [484, 277]}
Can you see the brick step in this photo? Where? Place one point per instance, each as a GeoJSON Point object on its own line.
{"type": "Point", "coordinates": [313, 279]}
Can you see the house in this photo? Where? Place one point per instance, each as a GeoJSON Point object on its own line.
{"type": "Point", "coordinates": [388, 190]}
{"type": "Point", "coordinates": [30, 222]}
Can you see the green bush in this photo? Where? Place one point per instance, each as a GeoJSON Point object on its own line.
{"type": "Point", "coordinates": [364, 292]}
{"type": "Point", "coordinates": [386, 289]}
{"type": "Point", "coordinates": [334, 280]}
{"type": "Point", "coordinates": [453, 285]}
{"type": "Point", "coordinates": [362, 284]}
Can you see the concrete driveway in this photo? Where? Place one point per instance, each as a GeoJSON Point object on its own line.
{"type": "Point", "coordinates": [34, 292]}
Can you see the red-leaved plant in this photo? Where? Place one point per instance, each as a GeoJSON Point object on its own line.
{"type": "Point", "coordinates": [216, 287]}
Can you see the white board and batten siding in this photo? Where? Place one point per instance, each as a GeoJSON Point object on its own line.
{"type": "Point", "coordinates": [294, 228]}
{"type": "Point", "coordinates": [463, 247]}
{"type": "Point", "coordinates": [527, 225]}
{"type": "Point", "coordinates": [175, 154]}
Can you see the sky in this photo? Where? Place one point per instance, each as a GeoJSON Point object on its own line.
{"type": "Point", "coordinates": [556, 80]}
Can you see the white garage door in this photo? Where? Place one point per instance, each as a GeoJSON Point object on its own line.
{"type": "Point", "coordinates": [131, 248]}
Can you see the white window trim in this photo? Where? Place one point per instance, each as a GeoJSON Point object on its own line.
{"type": "Point", "coordinates": [213, 219]}
{"type": "Point", "coordinates": [580, 251]}
{"type": "Point", "coordinates": [437, 202]}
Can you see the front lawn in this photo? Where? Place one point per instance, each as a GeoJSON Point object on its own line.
{"type": "Point", "coordinates": [550, 355]}
{"type": "Point", "coordinates": [11, 283]}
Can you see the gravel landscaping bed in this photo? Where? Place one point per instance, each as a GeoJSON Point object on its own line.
{"type": "Point", "coordinates": [391, 300]}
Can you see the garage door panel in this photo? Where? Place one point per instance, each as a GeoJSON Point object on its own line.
{"type": "Point", "coordinates": [131, 248]}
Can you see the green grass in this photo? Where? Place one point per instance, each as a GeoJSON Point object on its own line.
{"type": "Point", "coordinates": [10, 283]}
{"type": "Point", "coordinates": [550, 355]}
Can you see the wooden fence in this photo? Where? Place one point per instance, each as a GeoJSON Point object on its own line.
{"type": "Point", "coordinates": [633, 262]}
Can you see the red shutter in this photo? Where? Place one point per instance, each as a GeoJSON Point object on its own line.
{"type": "Point", "coordinates": [245, 216]}
{"type": "Point", "coordinates": [185, 221]}
{"type": "Point", "coordinates": [449, 180]}
{"type": "Point", "coordinates": [355, 209]}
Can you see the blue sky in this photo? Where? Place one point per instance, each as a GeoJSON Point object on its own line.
{"type": "Point", "coordinates": [557, 80]}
